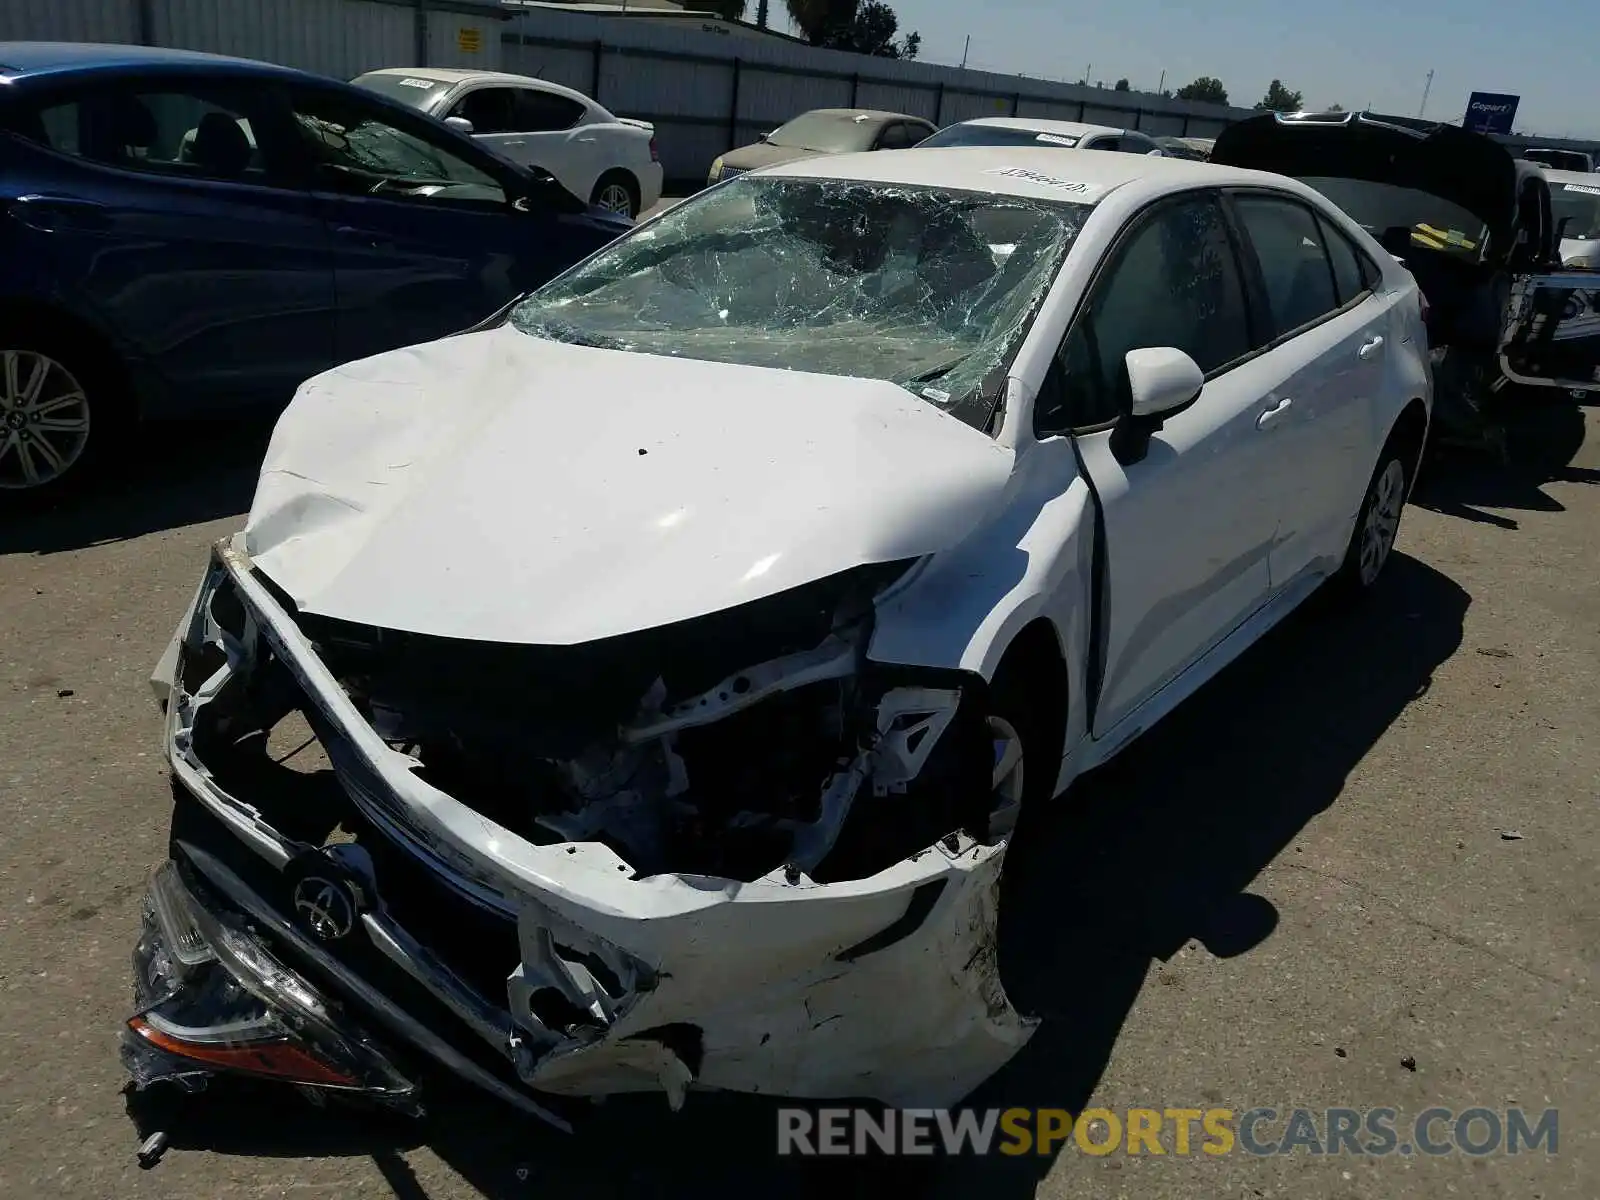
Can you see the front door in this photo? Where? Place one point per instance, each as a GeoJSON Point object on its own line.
{"type": "Point", "coordinates": [537, 129]}
{"type": "Point", "coordinates": [1186, 528]}
{"type": "Point", "coordinates": [426, 240]}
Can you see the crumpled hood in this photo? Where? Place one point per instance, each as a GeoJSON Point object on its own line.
{"type": "Point", "coordinates": [500, 487]}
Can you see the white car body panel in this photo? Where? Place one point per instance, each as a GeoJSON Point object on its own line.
{"type": "Point", "coordinates": [674, 487]}
{"type": "Point", "coordinates": [491, 486]}
{"type": "Point", "coordinates": [578, 157]}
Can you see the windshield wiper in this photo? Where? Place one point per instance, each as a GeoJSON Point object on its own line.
{"type": "Point", "coordinates": [943, 369]}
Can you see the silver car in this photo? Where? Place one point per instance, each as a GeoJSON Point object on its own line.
{"type": "Point", "coordinates": [1575, 200]}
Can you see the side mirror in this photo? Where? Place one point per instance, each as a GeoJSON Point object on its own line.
{"type": "Point", "coordinates": [460, 124]}
{"type": "Point", "coordinates": [1162, 381]}
{"type": "Point", "coordinates": [765, 136]}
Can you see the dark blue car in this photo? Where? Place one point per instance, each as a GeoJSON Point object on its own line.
{"type": "Point", "coordinates": [183, 233]}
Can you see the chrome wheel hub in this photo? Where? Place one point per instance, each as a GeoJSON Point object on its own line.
{"type": "Point", "coordinates": [44, 419]}
{"type": "Point", "coordinates": [614, 198]}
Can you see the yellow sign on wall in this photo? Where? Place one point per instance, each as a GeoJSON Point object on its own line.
{"type": "Point", "coordinates": [470, 39]}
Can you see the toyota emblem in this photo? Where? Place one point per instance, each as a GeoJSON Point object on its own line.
{"type": "Point", "coordinates": [327, 907]}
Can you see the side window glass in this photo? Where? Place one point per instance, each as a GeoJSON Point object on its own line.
{"type": "Point", "coordinates": [544, 112]}
{"type": "Point", "coordinates": [896, 137]}
{"type": "Point", "coordinates": [1294, 262]}
{"type": "Point", "coordinates": [353, 150]}
{"type": "Point", "coordinates": [1348, 272]}
{"type": "Point", "coordinates": [1174, 282]}
{"type": "Point", "coordinates": [164, 132]}
{"type": "Point", "coordinates": [489, 109]}
{"type": "Point", "coordinates": [1137, 143]}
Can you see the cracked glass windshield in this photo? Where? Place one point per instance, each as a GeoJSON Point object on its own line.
{"type": "Point", "coordinates": [928, 288]}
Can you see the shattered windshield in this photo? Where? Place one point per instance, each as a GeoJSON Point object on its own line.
{"type": "Point", "coordinates": [932, 289]}
{"type": "Point", "coordinates": [1403, 218]}
{"type": "Point", "coordinates": [1579, 204]}
{"type": "Point", "coordinates": [827, 132]}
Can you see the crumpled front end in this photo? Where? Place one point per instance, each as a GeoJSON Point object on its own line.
{"type": "Point", "coordinates": [718, 854]}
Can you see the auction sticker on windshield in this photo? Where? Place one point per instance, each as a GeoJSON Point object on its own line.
{"type": "Point", "coordinates": [1084, 191]}
{"type": "Point", "coordinates": [1057, 139]}
{"type": "Point", "coordinates": [1583, 187]}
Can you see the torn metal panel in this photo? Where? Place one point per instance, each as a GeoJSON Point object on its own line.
{"type": "Point", "coordinates": [617, 979]}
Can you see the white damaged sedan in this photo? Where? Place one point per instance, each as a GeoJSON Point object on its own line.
{"type": "Point", "coordinates": [638, 692]}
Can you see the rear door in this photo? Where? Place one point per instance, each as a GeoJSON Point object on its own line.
{"type": "Point", "coordinates": [1326, 355]}
{"type": "Point", "coordinates": [1187, 529]}
{"type": "Point", "coordinates": [426, 239]}
{"type": "Point", "coordinates": [172, 216]}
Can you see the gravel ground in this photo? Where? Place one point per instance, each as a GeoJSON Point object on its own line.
{"type": "Point", "coordinates": [1298, 892]}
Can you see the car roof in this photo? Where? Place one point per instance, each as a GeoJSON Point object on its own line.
{"type": "Point", "coordinates": [22, 60]}
{"type": "Point", "coordinates": [1043, 125]}
{"type": "Point", "coordinates": [1038, 173]}
{"type": "Point", "coordinates": [459, 75]}
{"type": "Point", "coordinates": [870, 114]}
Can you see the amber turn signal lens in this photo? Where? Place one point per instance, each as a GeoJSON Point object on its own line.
{"type": "Point", "coordinates": [277, 1059]}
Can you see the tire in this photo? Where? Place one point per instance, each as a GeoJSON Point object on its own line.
{"type": "Point", "coordinates": [61, 410]}
{"type": "Point", "coordinates": [1377, 523]}
{"type": "Point", "coordinates": [617, 192]}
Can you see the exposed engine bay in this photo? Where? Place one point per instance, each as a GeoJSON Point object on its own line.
{"type": "Point", "coordinates": [702, 853]}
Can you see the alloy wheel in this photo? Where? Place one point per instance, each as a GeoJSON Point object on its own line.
{"type": "Point", "coordinates": [44, 420]}
{"type": "Point", "coordinates": [1383, 520]}
{"type": "Point", "coordinates": [615, 198]}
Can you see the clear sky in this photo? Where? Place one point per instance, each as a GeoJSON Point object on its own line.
{"type": "Point", "coordinates": [1357, 53]}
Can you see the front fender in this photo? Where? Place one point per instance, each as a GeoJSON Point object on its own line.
{"type": "Point", "coordinates": [963, 608]}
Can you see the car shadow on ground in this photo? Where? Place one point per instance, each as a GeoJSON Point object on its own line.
{"type": "Point", "coordinates": [170, 475]}
{"type": "Point", "coordinates": [1545, 433]}
{"type": "Point", "coordinates": [1152, 852]}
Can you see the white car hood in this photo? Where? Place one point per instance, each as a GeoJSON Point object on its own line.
{"type": "Point", "coordinates": [501, 487]}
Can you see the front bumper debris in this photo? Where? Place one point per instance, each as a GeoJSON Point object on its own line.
{"type": "Point", "coordinates": [609, 980]}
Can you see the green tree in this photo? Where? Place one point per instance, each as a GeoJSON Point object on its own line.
{"type": "Point", "coordinates": [1206, 90]}
{"type": "Point", "coordinates": [1121, 85]}
{"type": "Point", "coordinates": [1280, 98]}
{"type": "Point", "coordinates": [1335, 108]}
{"type": "Point", "coordinates": [761, 14]}
{"type": "Point", "coordinates": [862, 26]}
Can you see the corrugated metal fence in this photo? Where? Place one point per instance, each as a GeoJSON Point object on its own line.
{"type": "Point", "coordinates": [706, 91]}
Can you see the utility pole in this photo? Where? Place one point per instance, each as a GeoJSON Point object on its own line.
{"type": "Point", "coordinates": [1426, 88]}
{"type": "Point", "coordinates": [964, 50]}
{"type": "Point", "coordinates": [1161, 87]}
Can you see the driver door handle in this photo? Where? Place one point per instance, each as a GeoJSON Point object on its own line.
{"type": "Point", "coordinates": [1274, 414]}
{"type": "Point", "coordinates": [1369, 349]}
